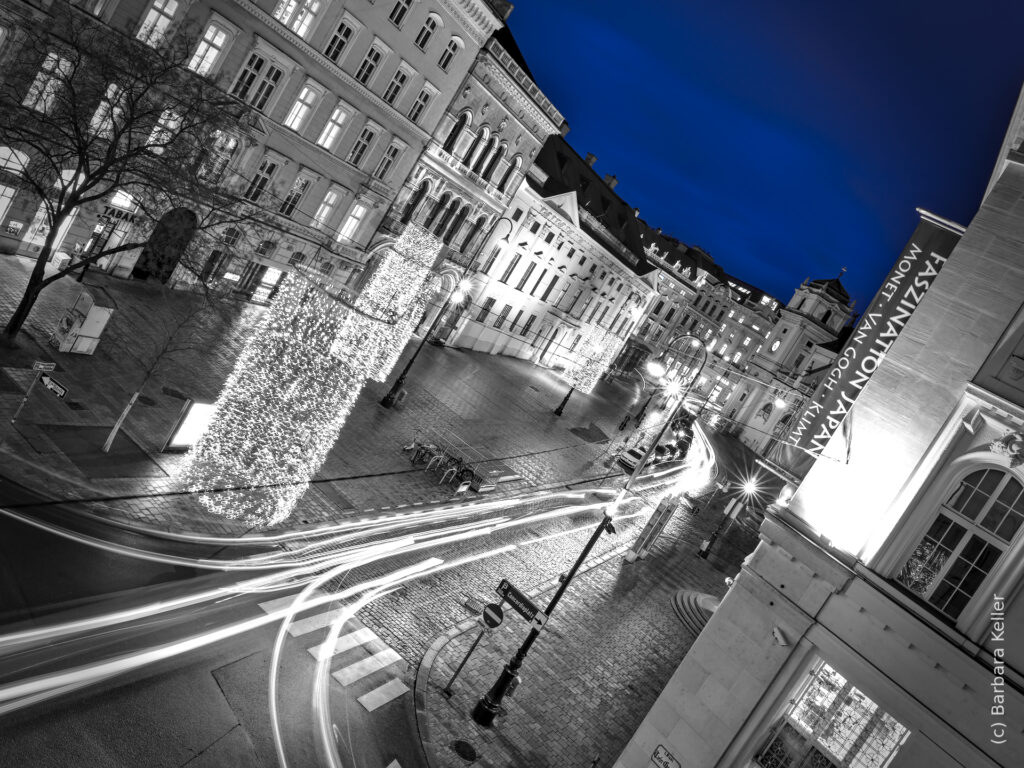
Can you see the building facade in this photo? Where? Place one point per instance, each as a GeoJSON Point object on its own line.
{"type": "Point", "coordinates": [878, 622]}
{"type": "Point", "coordinates": [346, 96]}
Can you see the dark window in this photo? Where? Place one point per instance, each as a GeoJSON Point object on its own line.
{"type": "Point", "coordinates": [484, 309]}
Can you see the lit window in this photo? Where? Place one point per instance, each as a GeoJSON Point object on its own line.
{"type": "Point", "coordinates": [399, 12]}
{"type": "Point", "coordinates": [302, 108]}
{"type": "Point", "coordinates": [448, 55]}
{"type": "Point", "coordinates": [51, 77]}
{"type": "Point", "coordinates": [426, 32]}
{"type": "Point", "coordinates": [263, 178]}
{"type": "Point", "coordinates": [209, 50]}
{"type": "Point", "coordinates": [220, 154]}
{"type": "Point", "coordinates": [297, 15]}
{"type": "Point", "coordinates": [164, 132]}
{"type": "Point", "coordinates": [338, 41]}
{"type": "Point", "coordinates": [326, 209]}
{"type": "Point", "coordinates": [157, 21]}
{"type": "Point", "coordinates": [736, 357]}
{"type": "Point", "coordinates": [968, 536]}
{"type": "Point", "coordinates": [387, 161]}
{"type": "Point", "coordinates": [420, 105]}
{"type": "Point", "coordinates": [500, 319]}
{"type": "Point", "coordinates": [355, 217]}
{"type": "Point", "coordinates": [329, 135]}
{"type": "Point", "coordinates": [257, 81]}
{"type": "Point", "coordinates": [746, 341]}
{"type": "Point", "coordinates": [109, 113]}
{"type": "Point", "coordinates": [369, 65]}
{"type": "Point", "coordinates": [395, 86]}
{"type": "Point", "coordinates": [295, 195]}
{"type": "Point", "coordinates": [359, 149]}
{"type": "Point", "coordinates": [832, 724]}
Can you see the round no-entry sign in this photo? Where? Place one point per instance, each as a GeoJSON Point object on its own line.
{"type": "Point", "coordinates": [492, 615]}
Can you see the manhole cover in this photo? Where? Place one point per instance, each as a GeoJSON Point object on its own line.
{"type": "Point", "coordinates": [464, 750]}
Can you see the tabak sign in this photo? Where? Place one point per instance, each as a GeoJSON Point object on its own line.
{"type": "Point", "coordinates": [888, 313]}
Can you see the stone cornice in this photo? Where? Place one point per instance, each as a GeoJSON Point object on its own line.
{"type": "Point", "coordinates": [474, 17]}
{"type": "Point", "coordinates": [488, 65]}
{"type": "Point", "coordinates": [525, 82]}
{"type": "Point", "coordinates": [332, 68]}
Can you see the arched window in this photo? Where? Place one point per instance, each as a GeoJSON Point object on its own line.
{"type": "Point", "coordinates": [443, 222]}
{"type": "Point", "coordinates": [478, 166]}
{"type": "Point", "coordinates": [414, 202]}
{"type": "Point", "coordinates": [453, 230]}
{"type": "Point", "coordinates": [438, 207]}
{"type": "Point", "coordinates": [427, 30]}
{"type": "Point", "coordinates": [266, 249]}
{"type": "Point", "coordinates": [481, 137]}
{"type": "Point", "coordinates": [453, 137]}
{"type": "Point", "coordinates": [491, 166]}
{"type": "Point", "coordinates": [449, 54]}
{"type": "Point", "coordinates": [972, 529]}
{"type": "Point", "coordinates": [512, 170]}
{"type": "Point", "coordinates": [467, 243]}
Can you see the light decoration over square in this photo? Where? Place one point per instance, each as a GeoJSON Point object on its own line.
{"type": "Point", "coordinates": [295, 383]}
{"type": "Point", "coordinates": [597, 349]}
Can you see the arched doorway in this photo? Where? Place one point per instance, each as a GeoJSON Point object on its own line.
{"type": "Point", "coordinates": [165, 246]}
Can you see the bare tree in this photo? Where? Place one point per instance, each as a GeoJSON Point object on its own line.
{"type": "Point", "coordinates": [89, 111]}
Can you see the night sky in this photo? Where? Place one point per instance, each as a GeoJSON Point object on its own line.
{"type": "Point", "coordinates": [788, 139]}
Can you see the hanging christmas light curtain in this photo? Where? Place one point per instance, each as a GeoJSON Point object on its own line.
{"type": "Point", "coordinates": [292, 389]}
{"type": "Point", "coordinates": [597, 349]}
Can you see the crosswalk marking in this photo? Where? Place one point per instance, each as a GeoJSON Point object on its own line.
{"type": "Point", "coordinates": [359, 670]}
{"type": "Point", "coordinates": [393, 764]}
{"type": "Point", "coordinates": [314, 622]}
{"type": "Point", "coordinates": [344, 643]}
{"type": "Point", "coordinates": [378, 697]}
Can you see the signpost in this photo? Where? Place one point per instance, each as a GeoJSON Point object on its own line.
{"type": "Point", "coordinates": [39, 366]}
{"type": "Point", "coordinates": [491, 618]}
{"type": "Point", "coordinates": [492, 615]}
{"type": "Point", "coordinates": [523, 605]}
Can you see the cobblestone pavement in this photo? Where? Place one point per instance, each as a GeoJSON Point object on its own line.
{"type": "Point", "coordinates": [499, 405]}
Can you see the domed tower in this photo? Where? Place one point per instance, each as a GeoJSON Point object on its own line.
{"type": "Point", "coordinates": [814, 316]}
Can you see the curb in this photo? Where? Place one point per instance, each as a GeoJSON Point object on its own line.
{"type": "Point", "coordinates": [423, 669]}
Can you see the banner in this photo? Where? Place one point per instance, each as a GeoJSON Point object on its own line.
{"type": "Point", "coordinates": [900, 294]}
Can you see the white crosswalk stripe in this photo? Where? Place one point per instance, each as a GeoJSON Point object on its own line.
{"type": "Point", "coordinates": [283, 602]}
{"type": "Point", "coordinates": [314, 622]}
{"type": "Point", "coordinates": [378, 697]}
{"type": "Point", "coordinates": [359, 670]}
{"type": "Point", "coordinates": [393, 764]}
{"type": "Point", "coordinates": [344, 643]}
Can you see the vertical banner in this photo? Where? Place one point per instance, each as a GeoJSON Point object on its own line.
{"type": "Point", "coordinates": [884, 320]}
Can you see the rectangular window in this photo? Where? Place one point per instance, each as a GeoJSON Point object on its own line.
{"type": "Point", "coordinates": [485, 308]}
{"type": "Point", "coordinates": [164, 132]}
{"type": "Point", "coordinates": [518, 214]}
{"type": "Point", "coordinates": [50, 79]}
{"type": "Point", "coordinates": [603, 313]}
{"type": "Point", "coordinates": [550, 288]}
{"type": "Point", "coordinates": [257, 81]}
{"type": "Point", "coordinates": [529, 325]}
{"type": "Point", "coordinates": [109, 113]}
{"type": "Point", "coordinates": [297, 259]}
{"type": "Point", "coordinates": [351, 225]}
{"type": "Point", "coordinates": [338, 41]}
{"type": "Point", "coordinates": [500, 320]}
{"type": "Point", "coordinates": [263, 178]}
{"type": "Point", "coordinates": [515, 321]}
{"type": "Point", "coordinates": [209, 50]}
{"type": "Point", "coordinates": [157, 21]}
{"type": "Point", "coordinates": [394, 88]}
{"type": "Point", "coordinates": [359, 149]}
{"type": "Point", "coordinates": [217, 160]}
{"type": "Point", "coordinates": [537, 284]}
{"type": "Point", "coordinates": [369, 65]}
{"type": "Point", "coordinates": [398, 13]}
{"type": "Point", "coordinates": [326, 209]}
{"type": "Point", "coordinates": [509, 269]}
{"type": "Point", "coordinates": [420, 105]}
{"type": "Point", "coordinates": [526, 276]}
{"type": "Point", "coordinates": [387, 161]}
{"type": "Point", "coordinates": [294, 197]}
{"type": "Point", "coordinates": [332, 131]}
{"type": "Point", "coordinates": [304, 105]}
{"type": "Point", "coordinates": [297, 15]}
{"type": "Point", "coordinates": [490, 260]}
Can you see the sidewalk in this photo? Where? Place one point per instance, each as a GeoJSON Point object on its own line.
{"type": "Point", "coordinates": [594, 672]}
{"type": "Point", "coordinates": [501, 406]}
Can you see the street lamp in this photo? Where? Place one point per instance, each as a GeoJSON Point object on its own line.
{"type": "Point", "coordinates": [489, 706]}
{"type": "Point", "coordinates": [457, 294]}
{"type": "Point", "coordinates": [748, 489]}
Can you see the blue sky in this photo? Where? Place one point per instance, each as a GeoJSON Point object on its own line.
{"type": "Point", "coordinates": [789, 139]}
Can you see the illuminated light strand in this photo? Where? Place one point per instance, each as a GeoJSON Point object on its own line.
{"type": "Point", "coordinates": [598, 348]}
{"type": "Point", "coordinates": [296, 381]}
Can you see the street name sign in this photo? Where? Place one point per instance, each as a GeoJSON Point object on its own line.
{"type": "Point", "coordinates": [54, 386]}
{"type": "Point", "coordinates": [524, 606]}
{"type": "Point", "coordinates": [40, 365]}
{"type": "Point", "coordinates": [492, 615]}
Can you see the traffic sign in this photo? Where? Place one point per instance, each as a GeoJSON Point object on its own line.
{"type": "Point", "coordinates": [493, 615]}
{"type": "Point", "coordinates": [54, 386]}
{"type": "Point", "coordinates": [524, 606]}
{"type": "Point", "coordinates": [40, 365]}
{"type": "Point", "coordinates": [539, 620]}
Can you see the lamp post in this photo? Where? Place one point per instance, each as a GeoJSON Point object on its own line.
{"type": "Point", "coordinates": [460, 288]}
{"type": "Point", "coordinates": [561, 406]}
{"type": "Point", "coordinates": [489, 706]}
{"type": "Point", "coordinates": [748, 490]}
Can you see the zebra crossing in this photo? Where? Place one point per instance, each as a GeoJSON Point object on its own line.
{"type": "Point", "coordinates": [361, 656]}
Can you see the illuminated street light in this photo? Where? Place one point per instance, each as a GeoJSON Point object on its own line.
{"type": "Point", "coordinates": [780, 403]}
